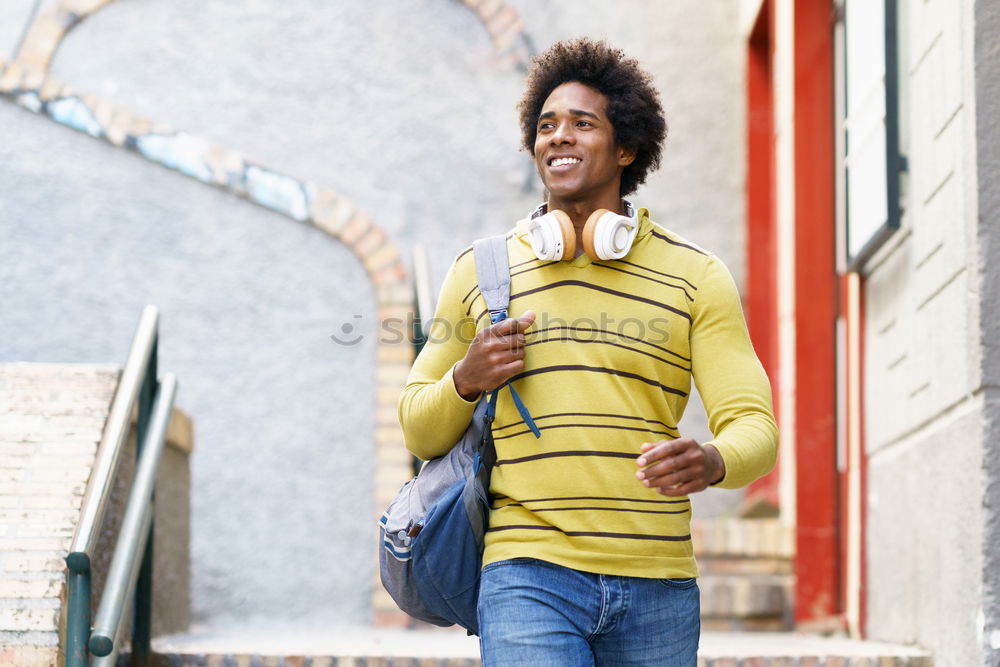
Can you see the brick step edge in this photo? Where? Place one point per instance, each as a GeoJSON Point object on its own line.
{"type": "Point", "coordinates": [252, 660]}
{"type": "Point", "coordinates": [742, 597]}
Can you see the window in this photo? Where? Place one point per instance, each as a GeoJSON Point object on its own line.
{"type": "Point", "coordinates": [870, 174]}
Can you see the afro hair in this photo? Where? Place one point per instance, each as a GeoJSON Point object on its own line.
{"type": "Point", "coordinates": [634, 107]}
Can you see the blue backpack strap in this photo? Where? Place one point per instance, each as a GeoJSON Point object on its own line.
{"type": "Point", "coordinates": [523, 411]}
{"type": "Point", "coordinates": [493, 274]}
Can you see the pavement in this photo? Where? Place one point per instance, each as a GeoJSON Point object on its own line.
{"type": "Point", "coordinates": [454, 643]}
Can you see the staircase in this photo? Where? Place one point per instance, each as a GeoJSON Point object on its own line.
{"type": "Point", "coordinates": [52, 420]}
{"type": "Point", "coordinates": [52, 417]}
{"type": "Point", "coordinates": [746, 585]}
{"type": "Point", "coordinates": [745, 574]}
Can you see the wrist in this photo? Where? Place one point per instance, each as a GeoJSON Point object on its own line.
{"type": "Point", "coordinates": [464, 390]}
{"type": "Point", "coordinates": [717, 465]}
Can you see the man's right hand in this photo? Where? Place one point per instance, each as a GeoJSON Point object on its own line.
{"type": "Point", "coordinates": [495, 355]}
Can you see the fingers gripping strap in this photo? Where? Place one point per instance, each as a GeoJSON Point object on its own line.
{"type": "Point", "coordinates": [493, 273]}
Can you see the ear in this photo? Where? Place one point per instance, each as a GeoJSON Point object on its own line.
{"type": "Point", "coordinates": [625, 156]}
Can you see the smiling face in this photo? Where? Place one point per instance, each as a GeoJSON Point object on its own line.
{"type": "Point", "coordinates": [575, 150]}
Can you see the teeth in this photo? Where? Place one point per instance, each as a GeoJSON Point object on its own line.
{"type": "Point", "coordinates": [559, 161]}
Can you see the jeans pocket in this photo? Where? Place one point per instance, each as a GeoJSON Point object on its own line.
{"type": "Point", "coordinates": [680, 584]}
{"type": "Point", "coordinates": [509, 561]}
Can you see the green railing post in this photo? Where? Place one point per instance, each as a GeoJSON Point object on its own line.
{"type": "Point", "coordinates": [143, 606]}
{"type": "Point", "coordinates": [78, 619]}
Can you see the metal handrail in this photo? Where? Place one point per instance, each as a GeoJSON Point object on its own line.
{"type": "Point", "coordinates": [131, 544]}
{"type": "Point", "coordinates": [95, 499]}
{"type": "Point", "coordinates": [131, 566]}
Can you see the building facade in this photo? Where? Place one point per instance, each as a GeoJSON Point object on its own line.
{"type": "Point", "coordinates": [872, 270]}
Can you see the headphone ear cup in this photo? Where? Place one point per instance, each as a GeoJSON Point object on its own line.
{"type": "Point", "coordinates": [553, 236]}
{"type": "Point", "coordinates": [589, 230]}
{"type": "Point", "coordinates": [568, 233]}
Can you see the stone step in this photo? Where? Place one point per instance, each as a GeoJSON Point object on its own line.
{"type": "Point", "coordinates": [448, 647]}
{"type": "Point", "coordinates": [746, 577]}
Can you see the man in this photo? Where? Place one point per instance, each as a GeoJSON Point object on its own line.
{"type": "Point", "coordinates": [588, 555]}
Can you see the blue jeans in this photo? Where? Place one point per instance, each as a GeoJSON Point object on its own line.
{"type": "Point", "coordinates": [536, 613]}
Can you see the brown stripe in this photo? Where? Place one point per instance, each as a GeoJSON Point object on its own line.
{"type": "Point", "coordinates": [660, 273]}
{"type": "Point", "coordinates": [598, 369]}
{"type": "Point", "coordinates": [678, 243]}
{"type": "Point", "coordinates": [529, 261]}
{"type": "Point", "coordinates": [467, 295]}
{"type": "Point", "coordinates": [581, 533]}
{"type": "Point", "coordinates": [533, 332]}
{"type": "Point", "coordinates": [599, 288]}
{"type": "Point", "coordinates": [572, 452]}
{"type": "Point", "coordinates": [623, 500]}
{"type": "Point", "coordinates": [553, 426]}
{"type": "Point", "coordinates": [601, 509]}
{"type": "Point", "coordinates": [607, 342]}
{"type": "Point", "coordinates": [590, 414]}
{"type": "Point", "coordinates": [639, 275]}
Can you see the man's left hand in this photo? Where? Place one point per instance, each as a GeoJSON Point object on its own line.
{"type": "Point", "coordinates": [679, 467]}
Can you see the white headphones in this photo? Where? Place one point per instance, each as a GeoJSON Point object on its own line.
{"type": "Point", "coordinates": [607, 235]}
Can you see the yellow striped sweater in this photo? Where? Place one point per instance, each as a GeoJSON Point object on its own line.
{"type": "Point", "coordinates": [608, 366]}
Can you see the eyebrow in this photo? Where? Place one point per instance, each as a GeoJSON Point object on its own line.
{"type": "Point", "coordinates": [573, 112]}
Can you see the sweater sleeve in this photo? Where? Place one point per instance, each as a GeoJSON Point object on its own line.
{"type": "Point", "coordinates": [731, 381]}
{"type": "Point", "coordinates": [431, 412]}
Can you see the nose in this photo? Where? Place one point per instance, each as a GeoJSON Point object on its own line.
{"type": "Point", "coordinates": [562, 134]}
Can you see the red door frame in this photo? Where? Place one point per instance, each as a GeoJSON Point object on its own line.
{"type": "Point", "coordinates": [761, 247]}
{"type": "Point", "coordinates": [818, 592]}
{"type": "Point", "coordinates": [852, 313]}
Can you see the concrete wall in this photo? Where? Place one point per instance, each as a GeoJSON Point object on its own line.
{"type": "Point", "coordinates": [987, 86]}
{"type": "Point", "coordinates": [925, 392]}
{"type": "Point", "coordinates": [408, 111]}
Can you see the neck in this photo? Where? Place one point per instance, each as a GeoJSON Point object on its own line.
{"type": "Point", "coordinates": [579, 211]}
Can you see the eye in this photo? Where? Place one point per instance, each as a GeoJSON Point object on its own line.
{"type": "Point", "coordinates": [544, 126]}
{"type": "Point", "coordinates": [583, 123]}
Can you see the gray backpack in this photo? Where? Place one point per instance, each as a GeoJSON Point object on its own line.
{"type": "Point", "coordinates": [432, 532]}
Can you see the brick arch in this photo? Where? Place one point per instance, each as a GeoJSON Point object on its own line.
{"type": "Point", "coordinates": [502, 21]}
{"type": "Point", "coordinates": [506, 29]}
{"type": "Point", "coordinates": [48, 30]}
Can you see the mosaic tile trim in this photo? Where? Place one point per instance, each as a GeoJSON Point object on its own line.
{"type": "Point", "coordinates": [209, 163]}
